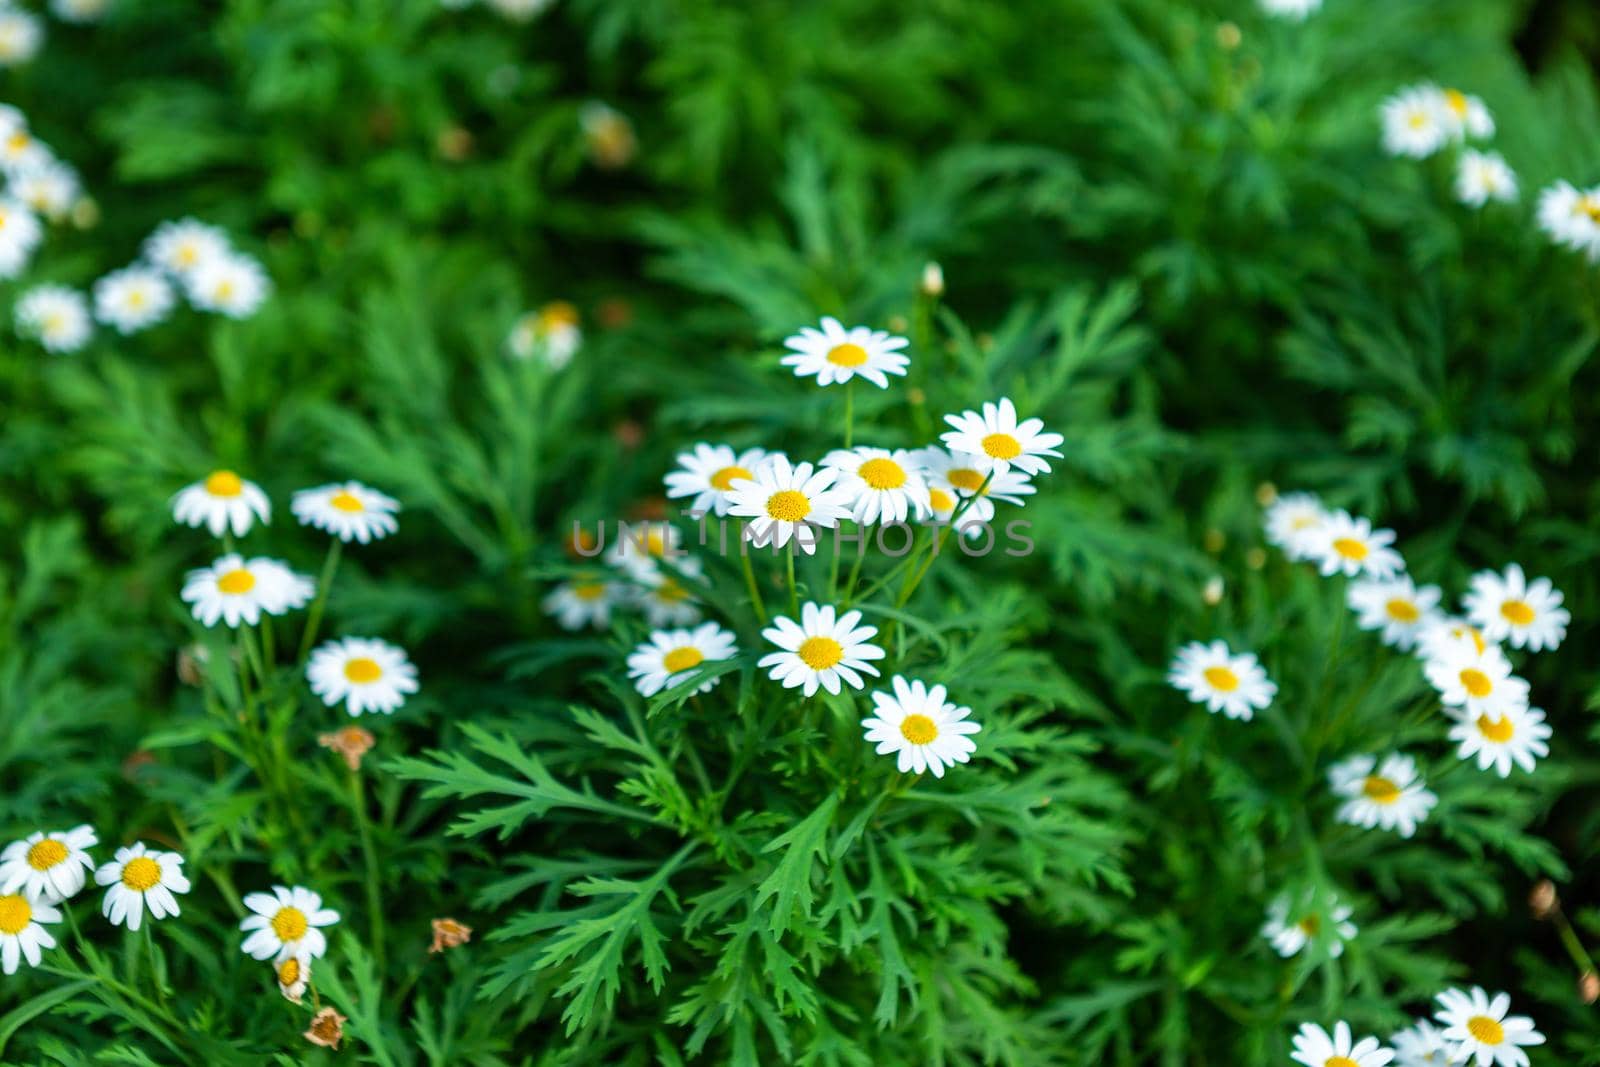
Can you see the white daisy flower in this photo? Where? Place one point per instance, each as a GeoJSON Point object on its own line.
{"type": "Point", "coordinates": [1315, 1047]}
{"type": "Point", "coordinates": [368, 675]}
{"type": "Point", "coordinates": [666, 600]}
{"type": "Point", "coordinates": [49, 867]}
{"type": "Point", "coordinates": [1421, 1045]}
{"type": "Point", "coordinates": [1484, 176]}
{"type": "Point", "coordinates": [999, 441]}
{"type": "Point", "coordinates": [1348, 545]}
{"type": "Point", "coordinates": [231, 284]}
{"type": "Point", "coordinates": [954, 476]}
{"type": "Point", "coordinates": [237, 590]}
{"type": "Point", "coordinates": [141, 877]}
{"type": "Point", "coordinates": [348, 510]}
{"type": "Point", "coordinates": [1443, 633]}
{"type": "Point", "coordinates": [1397, 606]}
{"type": "Point", "coordinates": [1291, 927]}
{"type": "Point", "coordinates": [552, 333]}
{"type": "Point", "coordinates": [1390, 796]}
{"type": "Point", "coordinates": [1466, 116]}
{"type": "Point", "coordinates": [21, 936]}
{"type": "Point", "coordinates": [20, 234]}
{"type": "Point", "coordinates": [1291, 9]}
{"type": "Point", "coordinates": [1476, 681]}
{"type": "Point", "coordinates": [670, 656]}
{"type": "Point", "coordinates": [1416, 122]}
{"type": "Point", "coordinates": [782, 500]}
{"type": "Point", "coordinates": [1292, 521]}
{"type": "Point", "coordinates": [1511, 608]}
{"type": "Point", "coordinates": [707, 474]}
{"type": "Point", "coordinates": [221, 501]}
{"type": "Point", "coordinates": [640, 548]}
{"type": "Point", "coordinates": [55, 316]}
{"type": "Point", "coordinates": [1514, 735]}
{"type": "Point", "coordinates": [1571, 217]}
{"type": "Point", "coordinates": [49, 187]}
{"type": "Point", "coordinates": [20, 151]}
{"type": "Point", "coordinates": [79, 11]}
{"type": "Point", "coordinates": [883, 485]}
{"type": "Point", "coordinates": [822, 650]}
{"type": "Point", "coordinates": [584, 602]}
{"type": "Point", "coordinates": [293, 973]}
{"type": "Point", "coordinates": [183, 246]}
{"type": "Point", "coordinates": [834, 355]}
{"type": "Point", "coordinates": [926, 731]}
{"type": "Point", "coordinates": [286, 922]}
{"type": "Point", "coordinates": [1478, 1031]}
{"type": "Point", "coordinates": [21, 34]}
{"type": "Point", "coordinates": [1212, 675]}
{"type": "Point", "coordinates": [132, 299]}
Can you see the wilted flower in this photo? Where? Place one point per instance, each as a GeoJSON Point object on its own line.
{"type": "Point", "coordinates": [351, 742]}
{"type": "Point", "coordinates": [327, 1028]}
{"type": "Point", "coordinates": [447, 933]}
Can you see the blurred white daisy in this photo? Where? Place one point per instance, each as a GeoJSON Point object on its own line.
{"type": "Point", "coordinates": [237, 591]}
{"type": "Point", "coordinates": [1440, 635]}
{"type": "Point", "coordinates": [1466, 115]}
{"type": "Point", "coordinates": [79, 11]}
{"type": "Point", "coordinates": [141, 877]}
{"type": "Point", "coordinates": [1420, 1045]}
{"type": "Point", "coordinates": [1484, 176]}
{"type": "Point", "coordinates": [834, 355]}
{"type": "Point", "coordinates": [882, 485]}
{"type": "Point", "coordinates": [999, 441]}
{"type": "Point", "coordinates": [1398, 607]}
{"type": "Point", "coordinates": [293, 973]}
{"type": "Point", "coordinates": [666, 599]}
{"type": "Point", "coordinates": [1214, 676]}
{"type": "Point", "coordinates": [1510, 608]}
{"type": "Point", "coordinates": [19, 150]}
{"type": "Point", "coordinates": [49, 187]}
{"type": "Point", "coordinates": [348, 510]}
{"type": "Point", "coordinates": [55, 316]}
{"type": "Point", "coordinates": [20, 234]}
{"type": "Point", "coordinates": [640, 548]}
{"type": "Point", "coordinates": [787, 502]}
{"type": "Point", "coordinates": [1292, 521]}
{"type": "Point", "coordinates": [1390, 796]}
{"type": "Point", "coordinates": [954, 476]}
{"type": "Point", "coordinates": [824, 650]}
{"type": "Point", "coordinates": [584, 602]}
{"type": "Point", "coordinates": [1476, 680]}
{"type": "Point", "coordinates": [286, 922]}
{"type": "Point", "coordinates": [50, 867]}
{"type": "Point", "coordinates": [1291, 925]}
{"type": "Point", "coordinates": [1291, 9]}
{"type": "Point", "coordinates": [669, 656]}
{"type": "Point", "coordinates": [21, 936]}
{"type": "Point", "coordinates": [182, 246]}
{"type": "Point", "coordinates": [1416, 122]}
{"type": "Point", "coordinates": [924, 730]}
{"type": "Point", "coordinates": [368, 675]}
{"type": "Point", "coordinates": [231, 284]}
{"type": "Point", "coordinates": [21, 34]}
{"type": "Point", "coordinates": [551, 333]}
{"type": "Point", "coordinates": [1478, 1031]}
{"type": "Point", "coordinates": [1348, 545]}
{"type": "Point", "coordinates": [132, 299]}
{"type": "Point", "coordinates": [1315, 1047]}
{"type": "Point", "coordinates": [1514, 735]}
{"type": "Point", "coordinates": [221, 501]}
{"type": "Point", "coordinates": [707, 474]}
{"type": "Point", "coordinates": [1571, 217]}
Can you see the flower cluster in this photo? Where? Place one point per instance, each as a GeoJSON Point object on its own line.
{"type": "Point", "coordinates": [1420, 120]}
{"type": "Point", "coordinates": [1469, 1029]}
{"type": "Point", "coordinates": [187, 256]}
{"type": "Point", "coordinates": [37, 184]}
{"type": "Point", "coordinates": [552, 333]}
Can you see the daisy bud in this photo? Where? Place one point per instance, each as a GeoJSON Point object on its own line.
{"type": "Point", "coordinates": [932, 280]}
{"type": "Point", "coordinates": [1256, 558]}
{"type": "Point", "coordinates": [1215, 540]}
{"type": "Point", "coordinates": [916, 396]}
{"type": "Point", "coordinates": [608, 136]}
{"type": "Point", "coordinates": [1266, 494]}
{"type": "Point", "coordinates": [613, 313]}
{"type": "Point", "coordinates": [1542, 899]}
{"type": "Point", "coordinates": [447, 933]}
{"type": "Point", "coordinates": [453, 143]}
{"type": "Point", "coordinates": [630, 435]}
{"type": "Point", "coordinates": [1589, 987]}
{"type": "Point", "coordinates": [898, 323]}
{"type": "Point", "coordinates": [1212, 594]}
{"type": "Point", "coordinates": [327, 1029]}
{"type": "Point", "coordinates": [1228, 36]}
{"type": "Point", "coordinates": [192, 663]}
{"type": "Point", "coordinates": [352, 743]}
{"type": "Point", "coordinates": [85, 214]}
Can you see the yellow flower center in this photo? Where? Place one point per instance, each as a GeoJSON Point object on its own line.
{"type": "Point", "coordinates": [46, 854]}
{"type": "Point", "coordinates": [820, 653]}
{"type": "Point", "coordinates": [1588, 206]}
{"type": "Point", "coordinates": [1002, 446]}
{"type": "Point", "coordinates": [136, 298]}
{"type": "Point", "coordinates": [966, 479]}
{"type": "Point", "coordinates": [1304, 522]}
{"type": "Point", "coordinates": [724, 478]}
{"type": "Point", "coordinates": [18, 141]}
{"type": "Point", "coordinates": [289, 924]}
{"type": "Point", "coordinates": [788, 505]}
{"type": "Point", "coordinates": [1485, 1029]}
{"type": "Point", "coordinates": [187, 255]}
{"type": "Point", "coordinates": [1457, 101]}
{"type": "Point", "coordinates": [362, 671]}
{"type": "Point", "coordinates": [589, 591]}
{"type": "Point", "coordinates": [1311, 925]}
{"type": "Point", "coordinates": [15, 914]}
{"type": "Point", "coordinates": [1402, 610]}
{"type": "Point", "coordinates": [141, 873]}
{"type": "Point", "coordinates": [1476, 682]}
{"type": "Point", "coordinates": [1517, 612]}
{"type": "Point", "coordinates": [1340, 1061]}
{"type": "Point", "coordinates": [1417, 120]}
{"type": "Point", "coordinates": [1350, 548]}
{"type": "Point", "coordinates": [882, 473]}
{"type": "Point", "coordinates": [918, 729]}
{"type": "Point", "coordinates": [224, 290]}
{"type": "Point", "coordinates": [224, 483]}
{"type": "Point", "coordinates": [1380, 790]}
{"type": "Point", "coordinates": [557, 314]}
{"type": "Point", "coordinates": [289, 971]}
{"type": "Point", "coordinates": [1222, 678]}
{"type": "Point", "coordinates": [682, 659]}
{"type": "Point", "coordinates": [847, 355]}
{"type": "Point", "coordinates": [53, 323]}
{"type": "Point", "coordinates": [1497, 730]}
{"type": "Point", "coordinates": [941, 500]}
{"type": "Point", "coordinates": [236, 582]}
{"type": "Point", "coordinates": [345, 500]}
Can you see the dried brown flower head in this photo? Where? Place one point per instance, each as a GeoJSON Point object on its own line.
{"type": "Point", "coordinates": [447, 933]}
{"type": "Point", "coordinates": [351, 742]}
{"type": "Point", "coordinates": [1542, 899]}
{"type": "Point", "coordinates": [327, 1029]}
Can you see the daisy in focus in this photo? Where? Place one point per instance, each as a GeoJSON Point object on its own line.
{"type": "Point", "coordinates": [1212, 675]}
{"type": "Point", "coordinates": [707, 475]}
{"type": "Point", "coordinates": [883, 485]}
{"type": "Point", "coordinates": [141, 877]}
{"type": "Point", "coordinates": [834, 355]}
{"type": "Point", "coordinates": [999, 441]}
{"type": "Point", "coordinates": [366, 674]}
{"type": "Point", "coordinates": [584, 602]}
{"type": "Point", "coordinates": [824, 650]}
{"type": "Point", "coordinates": [1290, 929]}
{"type": "Point", "coordinates": [1484, 176]}
{"type": "Point", "coordinates": [21, 936]}
{"type": "Point", "coordinates": [230, 284]}
{"type": "Point", "coordinates": [551, 333]}
{"type": "Point", "coordinates": [1477, 680]}
{"type": "Point", "coordinates": [1514, 735]}
{"type": "Point", "coordinates": [925, 731]}
{"type": "Point", "coordinates": [20, 234]}
{"type": "Point", "coordinates": [237, 591]}
{"type": "Point", "coordinates": [1420, 1045]}
{"type": "Point", "coordinates": [349, 511]}
{"type": "Point", "coordinates": [1396, 606]}
{"type": "Point", "coordinates": [1292, 522]}
{"type": "Point", "coordinates": [132, 299]}
{"type": "Point", "coordinates": [183, 246]}
{"type": "Point", "coordinates": [1510, 608]}
{"type": "Point", "coordinates": [21, 34]}
{"type": "Point", "coordinates": [787, 502]}
{"type": "Point", "coordinates": [221, 501]}
{"type": "Point", "coordinates": [1478, 1031]}
{"type": "Point", "coordinates": [50, 867]}
{"type": "Point", "coordinates": [952, 477]}
{"type": "Point", "coordinates": [669, 656]}
{"type": "Point", "coordinates": [1315, 1047]}
{"type": "Point", "coordinates": [286, 922]}
{"type": "Point", "coordinates": [1390, 796]}
{"type": "Point", "coordinates": [1416, 122]}
{"type": "Point", "coordinates": [55, 316]}
{"type": "Point", "coordinates": [1349, 545]}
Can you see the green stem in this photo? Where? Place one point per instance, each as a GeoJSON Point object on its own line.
{"type": "Point", "coordinates": [750, 580]}
{"type": "Point", "coordinates": [324, 581]}
{"type": "Point", "coordinates": [849, 411]}
{"type": "Point", "coordinates": [794, 588]}
{"type": "Point", "coordinates": [358, 805]}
